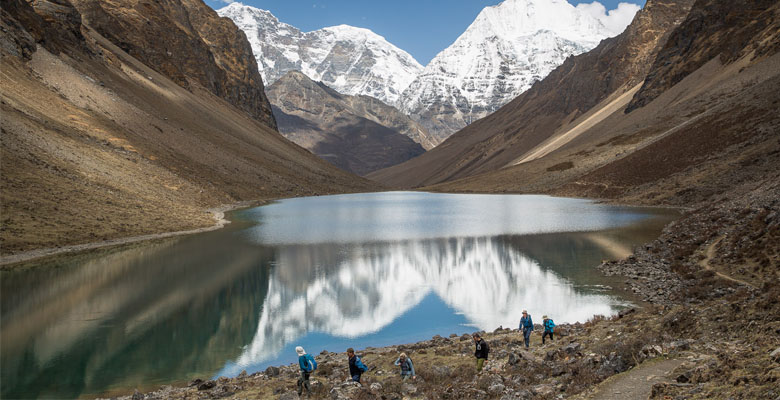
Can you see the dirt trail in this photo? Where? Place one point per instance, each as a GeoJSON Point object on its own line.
{"type": "Point", "coordinates": [636, 383]}
{"type": "Point", "coordinates": [709, 254]}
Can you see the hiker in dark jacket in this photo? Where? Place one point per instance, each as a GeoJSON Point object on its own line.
{"type": "Point", "coordinates": [407, 368]}
{"type": "Point", "coordinates": [549, 326]}
{"type": "Point", "coordinates": [356, 367]}
{"type": "Point", "coordinates": [481, 352]}
{"type": "Point", "coordinates": [527, 326]}
{"type": "Point", "coordinates": [307, 364]}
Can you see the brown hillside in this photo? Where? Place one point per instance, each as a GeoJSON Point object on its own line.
{"type": "Point", "coordinates": [579, 84]}
{"type": "Point", "coordinates": [711, 135]}
{"type": "Point", "coordinates": [97, 145]}
{"type": "Point", "coordinates": [359, 134]}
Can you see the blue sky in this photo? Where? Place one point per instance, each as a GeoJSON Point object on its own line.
{"type": "Point", "coordinates": [421, 27]}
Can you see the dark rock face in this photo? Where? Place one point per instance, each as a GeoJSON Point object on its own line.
{"type": "Point", "coordinates": [55, 24]}
{"type": "Point", "coordinates": [189, 43]}
{"type": "Point", "coordinates": [356, 133]}
{"type": "Point", "coordinates": [713, 28]}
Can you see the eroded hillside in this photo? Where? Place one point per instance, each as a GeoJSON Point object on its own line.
{"type": "Point", "coordinates": [97, 145]}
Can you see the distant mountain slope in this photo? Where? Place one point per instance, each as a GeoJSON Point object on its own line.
{"type": "Point", "coordinates": [503, 52]}
{"type": "Point", "coordinates": [98, 145]}
{"type": "Point", "coordinates": [357, 133]}
{"type": "Point", "coordinates": [552, 105]}
{"type": "Point", "coordinates": [354, 61]}
{"type": "Point", "coordinates": [709, 137]}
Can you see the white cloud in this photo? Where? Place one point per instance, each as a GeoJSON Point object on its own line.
{"type": "Point", "coordinates": [228, 1]}
{"type": "Point", "coordinates": [615, 20]}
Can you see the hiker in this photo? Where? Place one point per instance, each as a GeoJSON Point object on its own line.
{"type": "Point", "coordinates": [308, 365]}
{"type": "Point", "coordinates": [356, 367]}
{"type": "Point", "coordinates": [527, 326]}
{"type": "Point", "coordinates": [549, 326]}
{"type": "Point", "coordinates": [407, 368]}
{"type": "Point", "coordinates": [481, 353]}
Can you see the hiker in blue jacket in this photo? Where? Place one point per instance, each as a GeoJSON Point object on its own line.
{"type": "Point", "coordinates": [549, 326]}
{"type": "Point", "coordinates": [407, 368]}
{"type": "Point", "coordinates": [308, 365]}
{"type": "Point", "coordinates": [356, 367]}
{"type": "Point", "coordinates": [527, 326]}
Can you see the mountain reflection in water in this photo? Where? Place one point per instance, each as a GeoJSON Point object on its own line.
{"type": "Point", "coordinates": [328, 273]}
{"type": "Point", "coordinates": [369, 286]}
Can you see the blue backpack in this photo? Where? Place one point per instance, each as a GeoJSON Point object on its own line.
{"type": "Point", "coordinates": [312, 362]}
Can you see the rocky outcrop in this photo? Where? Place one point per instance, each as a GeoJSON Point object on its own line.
{"type": "Point", "coordinates": [55, 24]}
{"type": "Point", "coordinates": [356, 133]}
{"type": "Point", "coordinates": [189, 43]}
{"type": "Point", "coordinates": [728, 30]}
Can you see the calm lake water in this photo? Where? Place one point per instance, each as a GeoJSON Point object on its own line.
{"type": "Point", "coordinates": [326, 273]}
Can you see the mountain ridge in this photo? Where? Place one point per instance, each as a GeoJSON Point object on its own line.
{"type": "Point", "coordinates": [352, 60]}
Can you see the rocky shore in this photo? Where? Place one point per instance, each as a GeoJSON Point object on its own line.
{"type": "Point", "coordinates": [713, 304]}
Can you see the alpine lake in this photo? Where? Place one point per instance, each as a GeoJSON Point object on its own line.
{"type": "Point", "coordinates": [325, 273]}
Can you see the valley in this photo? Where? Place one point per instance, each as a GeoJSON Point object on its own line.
{"type": "Point", "coordinates": [400, 202]}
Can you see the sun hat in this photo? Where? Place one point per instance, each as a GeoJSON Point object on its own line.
{"type": "Point", "coordinates": [300, 351]}
{"type": "Point", "coordinates": [544, 317]}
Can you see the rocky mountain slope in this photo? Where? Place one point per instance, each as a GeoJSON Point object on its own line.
{"type": "Point", "coordinates": [98, 144]}
{"type": "Point", "coordinates": [503, 52]}
{"type": "Point", "coordinates": [359, 134]}
{"type": "Point", "coordinates": [351, 60]}
{"type": "Point", "coordinates": [202, 48]}
{"type": "Point", "coordinates": [553, 105]}
{"type": "Point", "coordinates": [709, 136]}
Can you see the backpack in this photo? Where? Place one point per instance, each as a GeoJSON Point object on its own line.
{"type": "Point", "coordinates": [360, 365]}
{"type": "Point", "coordinates": [312, 362]}
{"type": "Point", "coordinates": [549, 324]}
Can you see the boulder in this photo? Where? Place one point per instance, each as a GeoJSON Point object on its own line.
{"type": "Point", "coordinates": [137, 395]}
{"type": "Point", "coordinates": [572, 348]}
{"type": "Point", "coordinates": [272, 371]}
{"type": "Point", "coordinates": [441, 371]}
{"type": "Point", "coordinates": [408, 388]}
{"type": "Point", "coordinates": [375, 388]}
{"type": "Point", "coordinates": [496, 388]}
{"type": "Point", "coordinates": [288, 396]}
{"type": "Point", "coordinates": [195, 382]}
{"type": "Point", "coordinates": [514, 358]}
{"type": "Point", "coordinates": [207, 385]}
{"type": "Point", "coordinates": [775, 355]}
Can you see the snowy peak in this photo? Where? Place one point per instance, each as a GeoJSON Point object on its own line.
{"type": "Point", "coordinates": [351, 60]}
{"type": "Point", "coordinates": [514, 19]}
{"type": "Point", "coordinates": [503, 52]}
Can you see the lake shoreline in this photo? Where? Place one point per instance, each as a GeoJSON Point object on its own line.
{"type": "Point", "coordinates": [684, 320]}
{"type": "Point", "coordinates": [218, 213]}
{"type": "Point", "coordinates": [21, 259]}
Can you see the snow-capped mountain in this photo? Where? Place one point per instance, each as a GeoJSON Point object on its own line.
{"type": "Point", "coordinates": [502, 53]}
{"type": "Point", "coordinates": [351, 60]}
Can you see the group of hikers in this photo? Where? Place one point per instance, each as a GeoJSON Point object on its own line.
{"type": "Point", "coordinates": [308, 364]}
